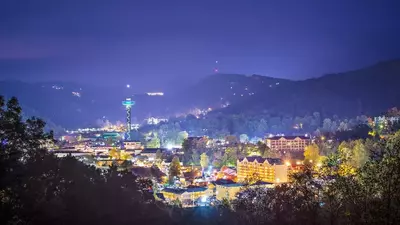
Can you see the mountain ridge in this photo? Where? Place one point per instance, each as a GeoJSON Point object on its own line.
{"type": "Point", "coordinates": [368, 90]}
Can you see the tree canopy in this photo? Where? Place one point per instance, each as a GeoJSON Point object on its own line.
{"type": "Point", "coordinates": [38, 188]}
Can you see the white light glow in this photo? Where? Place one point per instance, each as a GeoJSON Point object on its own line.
{"type": "Point", "coordinates": [155, 93]}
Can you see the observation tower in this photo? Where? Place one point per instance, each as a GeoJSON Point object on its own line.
{"type": "Point", "coordinates": [128, 103]}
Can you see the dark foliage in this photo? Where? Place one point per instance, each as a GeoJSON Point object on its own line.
{"type": "Point", "coordinates": [358, 132]}
{"type": "Point", "coordinates": [38, 188]}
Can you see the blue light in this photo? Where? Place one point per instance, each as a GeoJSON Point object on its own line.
{"type": "Point", "coordinates": [128, 103]}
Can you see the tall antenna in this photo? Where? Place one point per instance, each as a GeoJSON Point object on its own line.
{"type": "Point", "coordinates": [216, 70]}
{"type": "Point", "coordinates": [128, 103]}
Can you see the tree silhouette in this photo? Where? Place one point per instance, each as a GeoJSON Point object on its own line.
{"type": "Point", "coordinates": [175, 167]}
{"type": "Point", "coordinates": [38, 188]}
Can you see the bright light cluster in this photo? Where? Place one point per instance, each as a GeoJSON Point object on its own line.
{"type": "Point", "coordinates": [155, 93]}
{"type": "Point", "coordinates": [155, 121]}
{"type": "Point", "coordinates": [57, 87]}
{"type": "Point", "coordinates": [77, 94]}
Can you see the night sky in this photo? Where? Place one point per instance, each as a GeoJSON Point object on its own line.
{"type": "Point", "coordinates": [161, 43]}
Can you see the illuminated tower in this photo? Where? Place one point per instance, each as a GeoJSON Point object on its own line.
{"type": "Point", "coordinates": [128, 103]}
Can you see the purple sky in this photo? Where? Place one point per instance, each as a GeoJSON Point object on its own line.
{"type": "Point", "coordinates": [159, 43]}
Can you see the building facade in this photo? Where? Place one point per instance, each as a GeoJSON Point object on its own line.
{"type": "Point", "coordinates": [288, 143]}
{"type": "Point", "coordinates": [189, 196]}
{"type": "Point", "coordinates": [133, 145]}
{"type": "Point", "coordinates": [262, 169]}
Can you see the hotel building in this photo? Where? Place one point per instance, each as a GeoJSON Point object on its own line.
{"type": "Point", "coordinates": [264, 169]}
{"type": "Point", "coordinates": [288, 143]}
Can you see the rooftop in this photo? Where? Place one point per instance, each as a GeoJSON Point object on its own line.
{"type": "Point", "coordinates": [227, 183]}
{"type": "Point", "coordinates": [174, 190]}
{"type": "Point", "coordinates": [196, 189]}
{"type": "Point", "coordinates": [272, 161]}
{"type": "Point", "coordinates": [181, 190]}
{"type": "Point", "coordinates": [288, 137]}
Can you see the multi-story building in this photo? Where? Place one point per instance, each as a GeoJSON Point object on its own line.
{"type": "Point", "coordinates": [262, 169]}
{"type": "Point", "coordinates": [288, 143]}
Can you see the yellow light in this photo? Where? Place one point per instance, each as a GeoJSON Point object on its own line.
{"type": "Point", "coordinates": [319, 164]}
{"type": "Point", "coordinates": [288, 163]}
{"type": "Point", "coordinates": [297, 163]}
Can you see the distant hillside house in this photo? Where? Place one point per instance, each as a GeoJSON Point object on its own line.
{"type": "Point", "coordinates": [385, 119]}
{"type": "Point", "coordinates": [263, 169]}
{"type": "Point", "coordinates": [288, 143]}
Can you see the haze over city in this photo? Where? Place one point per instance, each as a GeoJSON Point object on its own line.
{"type": "Point", "coordinates": [155, 44]}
